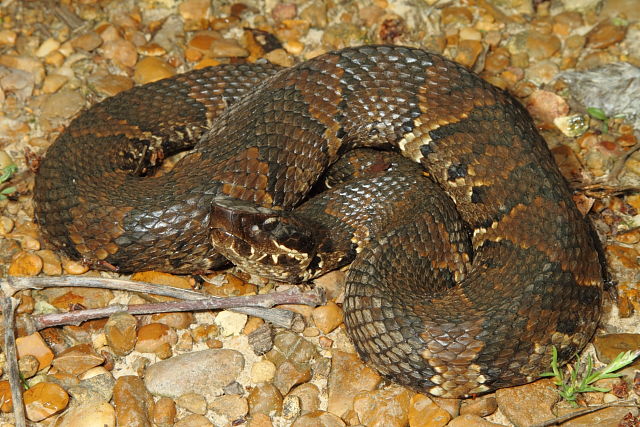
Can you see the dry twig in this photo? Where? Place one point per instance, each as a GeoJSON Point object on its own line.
{"type": "Point", "coordinates": [290, 296]}
{"type": "Point", "coordinates": [585, 411]}
{"type": "Point", "coordinates": [253, 305]}
{"type": "Point", "coordinates": [8, 312]}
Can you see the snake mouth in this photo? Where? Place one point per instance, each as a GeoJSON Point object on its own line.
{"type": "Point", "coordinates": [264, 241]}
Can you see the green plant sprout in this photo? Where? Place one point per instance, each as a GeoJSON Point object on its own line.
{"type": "Point", "coordinates": [5, 174]}
{"type": "Point", "coordinates": [569, 387]}
{"type": "Point", "coordinates": [598, 113]}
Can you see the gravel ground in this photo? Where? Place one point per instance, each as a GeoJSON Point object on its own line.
{"type": "Point", "coordinates": [226, 368]}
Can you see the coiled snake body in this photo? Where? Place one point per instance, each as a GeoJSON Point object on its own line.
{"type": "Point", "coordinates": [476, 268]}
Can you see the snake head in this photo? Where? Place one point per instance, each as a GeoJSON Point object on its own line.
{"type": "Point", "coordinates": [266, 242]}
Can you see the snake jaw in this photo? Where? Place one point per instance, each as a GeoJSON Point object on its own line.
{"type": "Point", "coordinates": [264, 241]}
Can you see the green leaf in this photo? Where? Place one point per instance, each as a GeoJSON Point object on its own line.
{"type": "Point", "coordinates": [580, 380]}
{"type": "Point", "coordinates": [597, 113]}
{"type": "Point", "coordinates": [8, 190]}
{"type": "Point", "coordinates": [7, 171]}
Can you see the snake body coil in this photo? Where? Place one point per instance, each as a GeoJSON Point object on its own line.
{"type": "Point", "coordinates": [498, 267]}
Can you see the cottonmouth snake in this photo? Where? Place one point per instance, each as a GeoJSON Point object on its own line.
{"type": "Point", "coordinates": [485, 266]}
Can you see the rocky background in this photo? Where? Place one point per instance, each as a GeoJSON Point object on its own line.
{"type": "Point", "coordinates": [573, 63]}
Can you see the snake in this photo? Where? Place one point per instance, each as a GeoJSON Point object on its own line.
{"type": "Point", "coordinates": [470, 262]}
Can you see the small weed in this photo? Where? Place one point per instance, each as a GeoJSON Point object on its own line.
{"type": "Point", "coordinates": [5, 174]}
{"type": "Point", "coordinates": [580, 379]}
{"type": "Point", "coordinates": [598, 113]}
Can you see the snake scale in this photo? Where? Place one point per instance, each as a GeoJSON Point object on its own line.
{"type": "Point", "coordinates": [479, 266]}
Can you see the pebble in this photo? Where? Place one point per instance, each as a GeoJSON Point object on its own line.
{"type": "Point", "coordinates": [263, 371]}
{"type": "Point", "coordinates": [316, 14]}
{"type": "Point", "coordinates": [87, 42]}
{"type": "Point", "coordinates": [121, 52]}
{"type": "Point", "coordinates": [535, 44]}
{"type": "Point", "coordinates": [469, 420]}
{"type": "Point", "coordinates": [62, 105]}
{"type": "Point", "coordinates": [468, 52]}
{"type": "Point", "coordinates": [573, 125]}
{"type": "Point", "coordinates": [253, 323]}
{"type": "Point", "coordinates": [90, 414]}
{"type": "Point", "coordinates": [133, 402]}
{"type": "Point", "coordinates": [388, 407]}
{"type": "Point", "coordinates": [66, 298]}
{"type": "Point", "coordinates": [333, 284]}
{"type": "Point", "coordinates": [100, 380]}
{"type": "Point", "coordinates": [343, 34]}
{"type": "Point", "coordinates": [265, 399]}
{"type": "Point", "coordinates": [120, 332]}
{"type": "Point", "coordinates": [605, 34]}
{"type": "Point", "coordinates": [194, 420]}
{"type": "Point", "coordinates": [47, 46]}
{"type": "Point", "coordinates": [610, 345]}
{"type": "Point", "coordinates": [185, 342]}
{"type": "Point", "coordinates": [43, 400]}
{"type": "Point", "coordinates": [110, 84]}
{"type": "Point", "coordinates": [25, 63]}
{"type": "Point", "coordinates": [547, 106]}
{"type": "Point", "coordinates": [348, 377]}
{"type": "Point", "coordinates": [51, 265]}
{"type": "Point", "coordinates": [230, 323]}
{"type": "Point", "coordinates": [614, 7]}
{"type": "Point", "coordinates": [27, 304]}
{"type": "Point", "coordinates": [151, 69]}
{"type": "Point", "coordinates": [309, 395]}
{"type": "Point", "coordinates": [327, 317]}
{"type": "Point", "coordinates": [224, 48]}
{"type": "Point", "coordinates": [290, 407]}
{"type": "Point", "coordinates": [6, 223]}
{"type": "Point", "coordinates": [288, 346]}
{"type": "Point", "coordinates": [456, 15]}
{"type": "Point", "coordinates": [195, 13]}
{"type": "Point", "coordinates": [28, 365]}
{"type": "Point", "coordinates": [480, 406]}
{"type": "Point", "coordinates": [193, 402]}
{"type": "Point", "coordinates": [153, 337]}
{"type": "Point", "coordinates": [231, 406]}
{"type": "Point", "coordinates": [203, 333]}
{"type": "Point", "coordinates": [34, 345]}
{"type": "Point", "coordinates": [542, 72]}
{"type": "Point", "coordinates": [180, 320]}
{"type": "Point", "coordinates": [424, 412]}
{"type": "Point", "coordinates": [166, 279]}
{"type": "Point", "coordinates": [26, 264]}
{"type": "Point", "coordinates": [233, 388]}
{"type": "Point", "coordinates": [283, 11]}
{"type": "Point", "coordinates": [164, 412]}
{"type": "Point", "coordinates": [8, 37]}
{"type": "Point", "coordinates": [528, 404]}
{"type": "Point", "coordinates": [77, 359]}
{"type": "Point", "coordinates": [74, 267]}
{"type": "Point", "coordinates": [19, 82]}
{"type": "Point", "coordinates": [289, 374]}
{"type": "Point", "coordinates": [5, 397]}
{"type": "Point", "coordinates": [318, 419]}
{"type": "Point", "coordinates": [279, 57]}
{"type": "Point", "coordinates": [206, 371]}
{"type": "Point", "coordinates": [200, 44]}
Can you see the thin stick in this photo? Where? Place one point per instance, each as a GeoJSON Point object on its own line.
{"type": "Point", "coordinates": [290, 296]}
{"type": "Point", "coordinates": [73, 21]}
{"type": "Point", "coordinates": [10, 285]}
{"type": "Point", "coordinates": [587, 410]}
{"type": "Point", "coordinates": [8, 312]}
